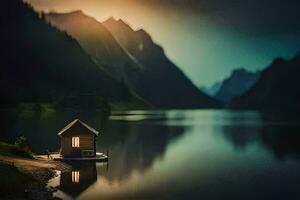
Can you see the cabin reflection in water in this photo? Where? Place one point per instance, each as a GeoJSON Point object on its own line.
{"type": "Point", "coordinates": [75, 176]}
{"type": "Point", "coordinates": [81, 177]}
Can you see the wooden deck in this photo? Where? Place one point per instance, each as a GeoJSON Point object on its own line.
{"type": "Point", "coordinates": [100, 157]}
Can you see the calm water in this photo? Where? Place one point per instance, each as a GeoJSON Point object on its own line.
{"type": "Point", "coordinates": [176, 155]}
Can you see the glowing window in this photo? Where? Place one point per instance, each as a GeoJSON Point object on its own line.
{"type": "Point", "coordinates": [75, 176]}
{"type": "Point", "coordinates": [75, 141]}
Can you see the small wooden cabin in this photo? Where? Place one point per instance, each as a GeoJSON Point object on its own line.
{"type": "Point", "coordinates": [78, 140]}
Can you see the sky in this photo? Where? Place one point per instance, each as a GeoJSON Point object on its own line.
{"type": "Point", "coordinates": [207, 39]}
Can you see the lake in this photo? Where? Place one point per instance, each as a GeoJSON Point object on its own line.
{"type": "Point", "coordinates": [200, 154]}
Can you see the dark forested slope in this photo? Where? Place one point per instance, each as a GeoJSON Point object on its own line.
{"type": "Point", "coordinates": [140, 63]}
{"type": "Point", "coordinates": [42, 64]}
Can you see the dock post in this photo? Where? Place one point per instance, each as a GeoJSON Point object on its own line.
{"type": "Point", "coordinates": [107, 163]}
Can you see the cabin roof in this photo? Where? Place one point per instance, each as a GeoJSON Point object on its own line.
{"type": "Point", "coordinates": [75, 122]}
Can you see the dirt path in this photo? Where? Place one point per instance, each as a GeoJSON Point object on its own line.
{"type": "Point", "coordinates": [42, 170]}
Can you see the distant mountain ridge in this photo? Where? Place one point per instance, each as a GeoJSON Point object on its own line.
{"type": "Point", "coordinates": [211, 90]}
{"type": "Point", "coordinates": [133, 58]}
{"type": "Point", "coordinates": [276, 90]}
{"type": "Point", "coordinates": [42, 64]}
{"type": "Point", "coordinates": [236, 84]}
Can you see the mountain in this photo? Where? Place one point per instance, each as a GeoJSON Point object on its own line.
{"type": "Point", "coordinates": [96, 40]}
{"type": "Point", "coordinates": [236, 84]}
{"type": "Point", "coordinates": [139, 63]}
{"type": "Point", "coordinates": [276, 90]}
{"type": "Point", "coordinates": [211, 90]}
{"type": "Point", "coordinates": [39, 63]}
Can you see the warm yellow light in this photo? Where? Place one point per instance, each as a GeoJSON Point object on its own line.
{"type": "Point", "coordinates": [75, 176]}
{"type": "Point", "coordinates": [75, 142]}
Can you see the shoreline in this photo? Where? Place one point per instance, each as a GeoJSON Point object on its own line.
{"type": "Point", "coordinates": [40, 170]}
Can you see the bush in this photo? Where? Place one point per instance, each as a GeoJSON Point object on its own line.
{"type": "Point", "coordinates": [22, 142]}
{"type": "Point", "coordinates": [14, 150]}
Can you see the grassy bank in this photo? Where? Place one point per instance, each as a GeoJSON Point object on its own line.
{"type": "Point", "coordinates": [14, 151]}
{"type": "Point", "coordinates": [13, 183]}
{"type": "Point", "coordinates": [21, 175]}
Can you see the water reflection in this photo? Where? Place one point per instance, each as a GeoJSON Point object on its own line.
{"type": "Point", "coordinates": [135, 146]}
{"type": "Point", "coordinates": [74, 182]}
{"type": "Point", "coordinates": [204, 154]}
{"type": "Point", "coordinates": [282, 140]}
{"type": "Point", "coordinates": [241, 136]}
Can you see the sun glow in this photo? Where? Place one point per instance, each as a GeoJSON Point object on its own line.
{"type": "Point", "coordinates": [75, 176]}
{"type": "Point", "coordinates": [196, 42]}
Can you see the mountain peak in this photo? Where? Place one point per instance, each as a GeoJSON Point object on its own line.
{"type": "Point", "coordinates": [124, 24]}
{"type": "Point", "coordinates": [141, 31]}
{"type": "Point", "coordinates": [278, 61]}
{"type": "Point", "coordinates": [143, 34]}
{"type": "Point", "coordinates": [239, 71]}
{"type": "Point", "coordinates": [113, 22]}
{"type": "Point", "coordinates": [75, 13]}
{"type": "Point", "coordinates": [111, 19]}
{"type": "Point", "coordinates": [276, 90]}
{"type": "Point", "coordinates": [237, 83]}
{"type": "Point", "coordinates": [121, 21]}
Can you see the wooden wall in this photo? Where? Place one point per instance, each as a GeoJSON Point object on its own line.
{"type": "Point", "coordinates": [86, 141]}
